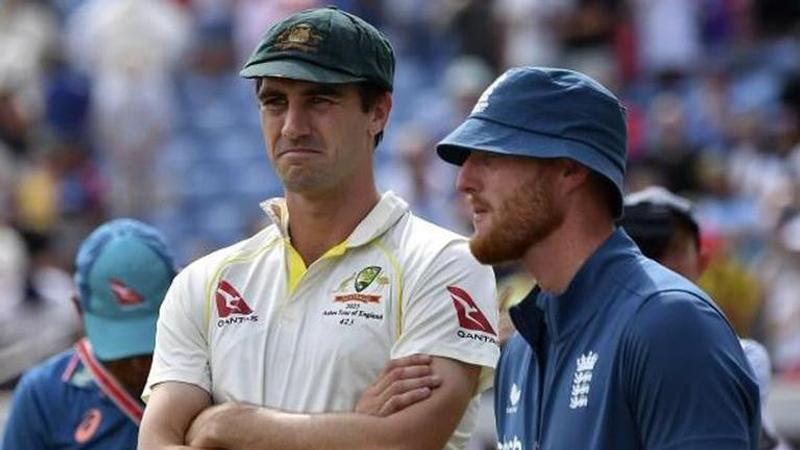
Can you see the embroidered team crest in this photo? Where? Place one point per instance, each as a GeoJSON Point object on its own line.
{"type": "Point", "coordinates": [299, 37]}
{"type": "Point", "coordinates": [513, 398]}
{"type": "Point", "coordinates": [581, 381]}
{"type": "Point", "coordinates": [366, 277]}
{"type": "Point", "coordinates": [515, 394]}
{"type": "Point", "coordinates": [230, 301]}
{"type": "Point", "coordinates": [469, 316]}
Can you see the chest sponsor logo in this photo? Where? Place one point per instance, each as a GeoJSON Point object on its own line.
{"type": "Point", "coordinates": [231, 306]}
{"type": "Point", "coordinates": [124, 294]}
{"type": "Point", "coordinates": [582, 380]}
{"type": "Point", "coordinates": [513, 399]}
{"type": "Point", "coordinates": [511, 444]}
{"type": "Point", "coordinates": [473, 322]}
{"type": "Point", "coordinates": [88, 426]}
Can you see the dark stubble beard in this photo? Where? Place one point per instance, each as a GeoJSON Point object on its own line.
{"type": "Point", "coordinates": [523, 220]}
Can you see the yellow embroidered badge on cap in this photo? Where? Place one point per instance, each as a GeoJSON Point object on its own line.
{"type": "Point", "coordinates": [299, 37]}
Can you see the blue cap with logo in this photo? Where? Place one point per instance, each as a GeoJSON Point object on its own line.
{"type": "Point", "coordinates": [124, 269]}
{"type": "Point", "coordinates": [546, 113]}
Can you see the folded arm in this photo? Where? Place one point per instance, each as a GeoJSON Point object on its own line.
{"type": "Point", "coordinates": [427, 424]}
{"type": "Point", "coordinates": [169, 413]}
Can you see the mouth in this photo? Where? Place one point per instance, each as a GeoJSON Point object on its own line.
{"type": "Point", "coordinates": [480, 210]}
{"type": "Point", "coordinates": [297, 154]}
{"type": "Point", "coordinates": [298, 151]}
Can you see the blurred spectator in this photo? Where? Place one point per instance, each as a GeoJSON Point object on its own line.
{"type": "Point", "coordinates": [667, 48]}
{"type": "Point", "coordinates": [664, 229]}
{"type": "Point", "coordinates": [730, 283]}
{"type": "Point", "coordinates": [529, 34]}
{"type": "Point", "coordinates": [27, 36]}
{"type": "Point", "coordinates": [88, 396]}
{"type": "Point", "coordinates": [670, 148]}
{"type": "Point", "coordinates": [781, 273]}
{"type": "Point", "coordinates": [131, 49]}
{"type": "Point", "coordinates": [35, 292]}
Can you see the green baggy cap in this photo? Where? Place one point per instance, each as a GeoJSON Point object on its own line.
{"type": "Point", "coordinates": [325, 45]}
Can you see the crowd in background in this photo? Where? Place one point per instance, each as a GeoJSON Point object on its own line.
{"type": "Point", "coordinates": [113, 108]}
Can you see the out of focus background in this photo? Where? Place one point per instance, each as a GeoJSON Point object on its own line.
{"type": "Point", "coordinates": [114, 108]}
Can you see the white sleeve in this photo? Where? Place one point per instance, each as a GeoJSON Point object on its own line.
{"type": "Point", "coordinates": [181, 352]}
{"type": "Point", "coordinates": [450, 311]}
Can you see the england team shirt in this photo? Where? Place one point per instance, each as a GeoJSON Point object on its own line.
{"type": "Point", "coordinates": [71, 402]}
{"type": "Point", "coordinates": [251, 323]}
{"type": "Point", "coordinates": [631, 356]}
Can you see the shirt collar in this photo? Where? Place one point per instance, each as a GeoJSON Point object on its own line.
{"type": "Point", "coordinates": [389, 209]}
{"type": "Point", "coordinates": [562, 314]}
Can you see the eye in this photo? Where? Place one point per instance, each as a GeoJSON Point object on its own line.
{"type": "Point", "coordinates": [272, 102]}
{"type": "Point", "coordinates": [321, 100]}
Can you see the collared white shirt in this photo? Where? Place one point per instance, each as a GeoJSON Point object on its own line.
{"type": "Point", "coordinates": [251, 323]}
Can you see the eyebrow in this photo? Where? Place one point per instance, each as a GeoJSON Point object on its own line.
{"type": "Point", "coordinates": [328, 90]}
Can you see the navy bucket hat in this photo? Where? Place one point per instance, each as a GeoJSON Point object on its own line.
{"type": "Point", "coordinates": [545, 112]}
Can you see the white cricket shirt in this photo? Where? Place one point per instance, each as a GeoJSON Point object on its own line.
{"type": "Point", "coordinates": [251, 323]}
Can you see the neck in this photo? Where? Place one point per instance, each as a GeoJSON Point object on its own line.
{"type": "Point", "coordinates": [131, 373]}
{"type": "Point", "coordinates": [554, 261]}
{"type": "Point", "coordinates": [319, 222]}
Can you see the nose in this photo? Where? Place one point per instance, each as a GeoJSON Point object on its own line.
{"type": "Point", "coordinates": [295, 122]}
{"type": "Point", "coordinates": [467, 181]}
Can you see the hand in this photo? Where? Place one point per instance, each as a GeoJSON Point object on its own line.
{"type": "Point", "coordinates": [402, 383]}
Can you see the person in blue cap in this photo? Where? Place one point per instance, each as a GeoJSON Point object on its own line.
{"type": "Point", "coordinates": [87, 397]}
{"type": "Point", "coordinates": [613, 350]}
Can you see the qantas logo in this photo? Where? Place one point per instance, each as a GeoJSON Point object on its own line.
{"type": "Point", "coordinates": [230, 301]}
{"type": "Point", "coordinates": [124, 294]}
{"type": "Point", "coordinates": [469, 316]}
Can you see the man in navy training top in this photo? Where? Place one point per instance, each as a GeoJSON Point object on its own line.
{"type": "Point", "coordinates": [88, 397]}
{"type": "Point", "coordinates": [664, 228]}
{"type": "Point", "coordinates": [613, 351]}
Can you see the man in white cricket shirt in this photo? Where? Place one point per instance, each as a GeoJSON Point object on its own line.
{"type": "Point", "coordinates": [269, 343]}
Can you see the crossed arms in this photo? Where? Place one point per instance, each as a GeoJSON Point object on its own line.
{"type": "Point", "coordinates": [402, 410]}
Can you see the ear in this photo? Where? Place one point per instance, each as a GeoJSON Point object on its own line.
{"type": "Point", "coordinates": [76, 303]}
{"type": "Point", "coordinates": [572, 174]}
{"type": "Point", "coordinates": [379, 114]}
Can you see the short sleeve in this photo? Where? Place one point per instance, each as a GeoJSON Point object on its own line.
{"type": "Point", "coordinates": [27, 425]}
{"type": "Point", "coordinates": [450, 311]}
{"type": "Point", "coordinates": [686, 379]}
{"type": "Point", "coordinates": [181, 352]}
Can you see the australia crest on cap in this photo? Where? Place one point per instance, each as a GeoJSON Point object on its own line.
{"type": "Point", "coordinates": [301, 37]}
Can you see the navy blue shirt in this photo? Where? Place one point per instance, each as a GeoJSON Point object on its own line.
{"type": "Point", "coordinates": [631, 356]}
{"type": "Point", "coordinates": [71, 402]}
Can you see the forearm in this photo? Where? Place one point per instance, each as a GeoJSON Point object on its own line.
{"type": "Point", "coordinates": [425, 425]}
{"type": "Point", "coordinates": [250, 427]}
{"type": "Point", "coordinates": [169, 414]}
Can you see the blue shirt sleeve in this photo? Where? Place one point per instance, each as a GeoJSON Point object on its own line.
{"type": "Point", "coordinates": [686, 379]}
{"type": "Point", "coordinates": [26, 428]}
